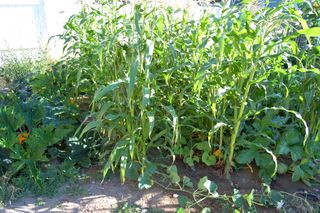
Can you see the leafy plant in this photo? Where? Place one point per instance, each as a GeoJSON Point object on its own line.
{"type": "Point", "coordinates": [127, 208]}
{"type": "Point", "coordinates": [211, 89]}
{"type": "Point", "coordinates": [233, 86]}
{"type": "Point", "coordinates": [26, 138]}
{"type": "Point", "coordinates": [207, 190]}
{"type": "Point", "coordinates": [7, 191]}
{"type": "Point", "coordinates": [20, 67]}
{"type": "Point", "coordinates": [53, 177]}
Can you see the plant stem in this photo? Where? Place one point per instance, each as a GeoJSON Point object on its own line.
{"type": "Point", "coordinates": [236, 125]}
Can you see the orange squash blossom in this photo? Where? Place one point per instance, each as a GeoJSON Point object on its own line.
{"type": "Point", "coordinates": [22, 137]}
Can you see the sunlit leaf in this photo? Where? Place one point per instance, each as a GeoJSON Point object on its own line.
{"type": "Point", "coordinates": [313, 32]}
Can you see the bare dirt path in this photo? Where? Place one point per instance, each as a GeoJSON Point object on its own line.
{"type": "Point", "coordinates": [95, 197]}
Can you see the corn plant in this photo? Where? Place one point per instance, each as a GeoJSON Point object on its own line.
{"type": "Point", "coordinates": [204, 89]}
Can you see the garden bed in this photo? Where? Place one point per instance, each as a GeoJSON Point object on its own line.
{"type": "Point", "coordinates": [171, 111]}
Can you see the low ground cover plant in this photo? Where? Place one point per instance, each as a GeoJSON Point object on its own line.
{"type": "Point", "coordinates": [20, 66]}
{"type": "Point", "coordinates": [226, 90]}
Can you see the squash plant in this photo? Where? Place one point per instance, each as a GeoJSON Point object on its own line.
{"type": "Point", "coordinates": [24, 136]}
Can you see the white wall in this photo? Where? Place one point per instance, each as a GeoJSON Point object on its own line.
{"type": "Point", "coordinates": [27, 24]}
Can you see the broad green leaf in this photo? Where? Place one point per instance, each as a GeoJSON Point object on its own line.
{"type": "Point", "coordinates": [151, 169]}
{"type": "Point", "coordinates": [250, 197]}
{"type": "Point", "coordinates": [196, 159]}
{"type": "Point", "coordinates": [137, 17]}
{"type": "Point", "coordinates": [237, 199]}
{"type": "Point", "coordinates": [282, 168]}
{"type": "Point", "coordinates": [112, 117]}
{"type": "Point", "coordinates": [105, 107]}
{"type": "Point", "coordinates": [181, 210]}
{"type": "Point", "coordinates": [265, 173]}
{"type": "Point", "coordinates": [294, 47]}
{"type": "Point", "coordinates": [159, 135]}
{"type": "Point", "coordinates": [201, 182]}
{"type": "Point", "coordinates": [189, 161]}
{"type": "Point", "coordinates": [296, 152]}
{"type": "Point", "coordinates": [173, 174]}
{"type": "Point", "coordinates": [131, 147]}
{"type": "Point", "coordinates": [283, 148]}
{"type": "Point", "coordinates": [275, 196]}
{"type": "Point", "coordinates": [272, 155]}
{"type": "Point", "coordinates": [211, 186]}
{"type": "Point", "coordinates": [15, 167]}
{"type": "Point", "coordinates": [115, 156]}
{"type": "Point", "coordinates": [246, 156]}
{"type": "Point", "coordinates": [204, 43]}
{"type": "Point", "coordinates": [183, 200]}
{"type": "Point", "coordinates": [208, 158]}
{"type": "Point", "coordinates": [132, 171]}
{"type": "Point", "coordinates": [4, 143]}
{"type": "Point", "coordinates": [175, 122]}
{"type": "Point", "coordinates": [144, 182]}
{"type": "Point", "coordinates": [297, 174]}
{"type": "Point", "coordinates": [296, 114]}
{"type": "Point", "coordinates": [204, 146]}
{"type": "Point", "coordinates": [312, 32]}
{"type": "Point", "coordinates": [263, 159]}
{"type": "Point", "coordinates": [79, 73]}
{"type": "Point", "coordinates": [221, 47]}
{"type": "Point", "coordinates": [187, 182]}
{"type": "Point", "coordinates": [206, 210]}
{"type": "Point", "coordinates": [60, 133]}
{"type": "Point", "coordinates": [291, 137]}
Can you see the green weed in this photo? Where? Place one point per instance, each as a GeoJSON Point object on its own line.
{"type": "Point", "coordinates": [21, 66]}
{"type": "Point", "coordinates": [8, 191]}
{"type": "Point", "coordinates": [127, 208]}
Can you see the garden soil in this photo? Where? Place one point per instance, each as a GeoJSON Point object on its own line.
{"type": "Point", "coordinates": [92, 196]}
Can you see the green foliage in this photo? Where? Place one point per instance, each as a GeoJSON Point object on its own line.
{"type": "Point", "coordinates": [19, 67]}
{"type": "Point", "coordinates": [205, 90]}
{"type": "Point", "coordinates": [31, 151]}
{"type": "Point", "coordinates": [7, 191]}
{"type": "Point", "coordinates": [35, 126]}
{"type": "Point", "coordinates": [310, 11]}
{"type": "Point", "coordinates": [33, 134]}
{"type": "Point", "coordinates": [127, 208]}
{"type": "Point", "coordinates": [236, 202]}
{"type": "Point", "coordinates": [52, 177]}
{"type": "Point", "coordinates": [230, 89]}
{"type": "Point", "coordinates": [26, 138]}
